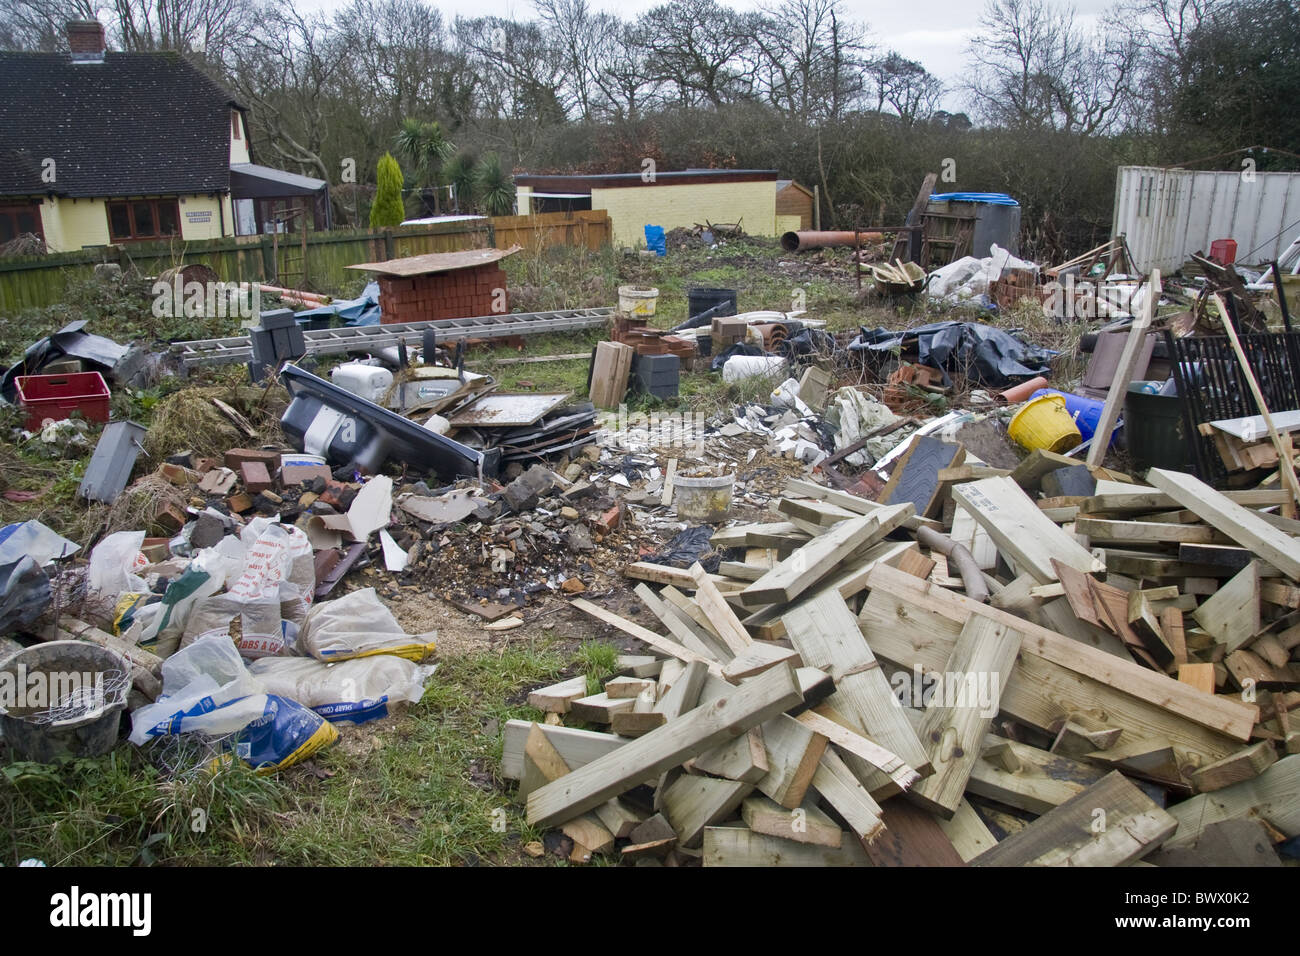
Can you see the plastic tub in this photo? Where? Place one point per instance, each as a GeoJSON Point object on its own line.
{"type": "Point", "coordinates": [1044, 423]}
{"type": "Point", "coordinates": [1086, 412]}
{"type": "Point", "coordinates": [58, 396]}
{"type": "Point", "coordinates": [706, 499]}
{"type": "Point", "coordinates": [103, 674]}
{"type": "Point", "coordinates": [637, 301]}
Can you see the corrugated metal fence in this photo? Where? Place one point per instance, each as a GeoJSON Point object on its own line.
{"type": "Point", "coordinates": [1168, 214]}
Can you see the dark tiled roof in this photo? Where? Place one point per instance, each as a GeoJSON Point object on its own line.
{"type": "Point", "coordinates": [135, 124]}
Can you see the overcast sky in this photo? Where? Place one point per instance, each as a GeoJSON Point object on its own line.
{"type": "Point", "coordinates": [932, 32]}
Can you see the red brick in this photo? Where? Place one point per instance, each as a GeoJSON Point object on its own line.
{"type": "Point", "coordinates": [255, 477]}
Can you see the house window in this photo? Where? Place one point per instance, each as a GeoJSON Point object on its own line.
{"type": "Point", "coordinates": [144, 219]}
{"type": "Point", "coordinates": [234, 124]}
{"type": "Point", "coordinates": [19, 220]}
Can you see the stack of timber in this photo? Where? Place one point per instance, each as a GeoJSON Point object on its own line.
{"type": "Point", "coordinates": [861, 685]}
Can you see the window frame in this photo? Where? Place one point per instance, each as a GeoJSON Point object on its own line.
{"type": "Point", "coordinates": [156, 205]}
{"type": "Point", "coordinates": [12, 209]}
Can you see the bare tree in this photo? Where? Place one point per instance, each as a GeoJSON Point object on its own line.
{"type": "Point", "coordinates": [812, 57]}
{"type": "Point", "coordinates": [40, 24]}
{"type": "Point", "coordinates": [1034, 67]}
{"type": "Point", "coordinates": [703, 51]}
{"type": "Point", "coordinates": [905, 86]}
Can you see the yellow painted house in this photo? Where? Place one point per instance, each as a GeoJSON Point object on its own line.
{"type": "Point", "coordinates": [99, 148]}
{"type": "Point", "coordinates": [669, 199]}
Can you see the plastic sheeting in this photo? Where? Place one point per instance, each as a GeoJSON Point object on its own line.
{"type": "Point", "coordinates": [990, 356]}
{"type": "Point", "coordinates": [363, 310]}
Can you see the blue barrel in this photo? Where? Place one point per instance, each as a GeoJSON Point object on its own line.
{"type": "Point", "coordinates": [1086, 412]}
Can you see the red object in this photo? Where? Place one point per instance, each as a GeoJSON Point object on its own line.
{"type": "Point", "coordinates": [58, 396]}
{"type": "Point", "coordinates": [1224, 251]}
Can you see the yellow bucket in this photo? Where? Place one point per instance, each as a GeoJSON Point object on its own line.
{"type": "Point", "coordinates": [1045, 423]}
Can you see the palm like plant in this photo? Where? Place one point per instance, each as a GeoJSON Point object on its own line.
{"type": "Point", "coordinates": [459, 173]}
{"type": "Point", "coordinates": [496, 190]}
{"type": "Point", "coordinates": [424, 148]}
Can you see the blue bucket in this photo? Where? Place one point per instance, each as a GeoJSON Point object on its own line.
{"type": "Point", "coordinates": [1086, 412]}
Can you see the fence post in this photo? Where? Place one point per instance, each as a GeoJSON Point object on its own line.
{"type": "Point", "coordinates": [390, 251]}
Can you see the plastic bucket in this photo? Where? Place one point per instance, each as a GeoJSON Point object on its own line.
{"type": "Point", "coordinates": [1044, 423]}
{"type": "Point", "coordinates": [706, 499]}
{"type": "Point", "coordinates": [1086, 412]}
{"type": "Point", "coordinates": [50, 671]}
{"type": "Point", "coordinates": [635, 301]}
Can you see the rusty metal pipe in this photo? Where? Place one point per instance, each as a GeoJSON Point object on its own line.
{"type": "Point", "coordinates": [799, 241]}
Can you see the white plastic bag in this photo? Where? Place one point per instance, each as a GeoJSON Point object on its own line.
{"type": "Point", "coordinates": [115, 564]}
{"type": "Point", "coordinates": [359, 625]}
{"type": "Point", "coordinates": [196, 682]}
{"type": "Point", "coordinates": [356, 690]}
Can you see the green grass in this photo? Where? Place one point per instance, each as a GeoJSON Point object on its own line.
{"type": "Point", "coordinates": [421, 788]}
{"type": "Point", "coordinates": [598, 662]}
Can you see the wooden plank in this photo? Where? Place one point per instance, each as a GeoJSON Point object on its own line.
{"type": "Point", "coordinates": [1020, 530]}
{"type": "Point", "coordinates": [1111, 823]}
{"type": "Point", "coordinates": [827, 637]}
{"type": "Point", "coordinates": [759, 699]}
{"type": "Point", "coordinates": [1245, 764]}
{"type": "Point", "coordinates": [599, 708]}
{"type": "Point", "coordinates": [839, 787]}
{"type": "Point", "coordinates": [618, 818]}
{"type": "Point", "coordinates": [757, 658]}
{"type": "Point", "coordinates": [684, 693]}
{"type": "Point", "coordinates": [666, 496]}
{"type": "Point", "coordinates": [1273, 796]}
{"type": "Point", "coordinates": [793, 751]}
{"type": "Point", "coordinates": [803, 824]}
{"type": "Point", "coordinates": [967, 832]}
{"type": "Point", "coordinates": [685, 631]}
{"type": "Point", "coordinates": [1127, 499]}
{"type": "Point", "coordinates": [619, 687]}
{"type": "Point", "coordinates": [1231, 614]}
{"type": "Point", "coordinates": [692, 803]}
{"type": "Point", "coordinates": [743, 759]}
{"type": "Point", "coordinates": [1238, 523]}
{"type": "Point", "coordinates": [577, 747]}
{"type": "Point", "coordinates": [911, 837]}
{"type": "Point", "coordinates": [954, 725]}
{"type": "Point", "coordinates": [556, 698]}
{"type": "Point", "coordinates": [1200, 676]}
{"type": "Point", "coordinates": [647, 636]}
{"type": "Point", "coordinates": [719, 612]}
{"type": "Point", "coordinates": [813, 511]}
{"type": "Point", "coordinates": [542, 762]}
{"type": "Point", "coordinates": [1228, 844]}
{"type": "Point", "coordinates": [771, 534]}
{"type": "Point", "coordinates": [967, 531]}
{"type": "Point", "coordinates": [854, 503]}
{"type": "Point", "coordinates": [819, 557]}
{"type": "Point", "coordinates": [853, 743]}
{"type": "Point", "coordinates": [1145, 532]}
{"type": "Point", "coordinates": [589, 836]}
{"type": "Point", "coordinates": [740, 846]}
{"type": "Point", "coordinates": [1149, 690]}
{"type": "Point", "coordinates": [1124, 369]}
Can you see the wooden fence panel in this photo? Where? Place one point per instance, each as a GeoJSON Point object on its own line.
{"type": "Point", "coordinates": [38, 281]}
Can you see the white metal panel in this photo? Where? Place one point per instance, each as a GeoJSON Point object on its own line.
{"type": "Point", "coordinates": [1168, 214]}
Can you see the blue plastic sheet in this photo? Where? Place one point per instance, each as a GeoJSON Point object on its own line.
{"type": "Point", "coordinates": [353, 312]}
{"type": "Point", "coordinates": [655, 240]}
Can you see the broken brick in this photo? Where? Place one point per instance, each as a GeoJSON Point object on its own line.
{"type": "Point", "coordinates": [255, 476]}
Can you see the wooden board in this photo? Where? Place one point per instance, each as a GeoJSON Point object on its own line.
{"type": "Point", "coordinates": [1111, 823]}
{"type": "Point", "coordinates": [692, 803]}
{"type": "Point", "coordinates": [911, 837]}
{"type": "Point", "coordinates": [761, 698]}
{"type": "Point", "coordinates": [1104, 674]}
{"type": "Point", "coordinates": [660, 643]}
{"type": "Point", "coordinates": [1245, 764]}
{"type": "Point", "coordinates": [1124, 371]}
{"type": "Point", "coordinates": [740, 846]}
{"type": "Point", "coordinates": [954, 725]}
{"type": "Point", "coordinates": [819, 557]}
{"type": "Point", "coordinates": [1238, 523]}
{"type": "Point", "coordinates": [827, 637]}
{"type": "Point", "coordinates": [577, 747]}
{"type": "Point", "coordinates": [725, 623]}
{"type": "Point", "coordinates": [1231, 613]}
{"type": "Point", "coordinates": [793, 751]}
{"type": "Point", "coordinates": [803, 824]}
{"type": "Point", "coordinates": [967, 832]}
{"type": "Point", "coordinates": [743, 759]}
{"type": "Point", "coordinates": [557, 698]}
{"type": "Point", "coordinates": [839, 787]}
{"type": "Point", "coordinates": [1021, 530]}
{"type": "Point", "coordinates": [1273, 796]}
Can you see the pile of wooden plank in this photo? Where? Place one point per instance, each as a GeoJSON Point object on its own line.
{"type": "Point", "coordinates": [841, 693]}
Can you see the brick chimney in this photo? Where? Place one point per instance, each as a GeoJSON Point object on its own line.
{"type": "Point", "coordinates": [86, 39]}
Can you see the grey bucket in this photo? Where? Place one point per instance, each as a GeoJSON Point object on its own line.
{"type": "Point", "coordinates": [91, 735]}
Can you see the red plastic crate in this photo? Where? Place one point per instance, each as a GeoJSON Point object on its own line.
{"type": "Point", "coordinates": [58, 396]}
{"type": "Point", "coordinates": [1224, 251]}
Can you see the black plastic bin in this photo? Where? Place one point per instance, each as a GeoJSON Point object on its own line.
{"type": "Point", "coordinates": [701, 300]}
{"type": "Point", "coordinates": [1155, 432]}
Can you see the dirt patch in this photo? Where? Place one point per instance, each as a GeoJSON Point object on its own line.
{"type": "Point", "coordinates": [988, 439]}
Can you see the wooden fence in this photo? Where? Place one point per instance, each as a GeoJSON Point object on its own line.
{"type": "Point", "coordinates": [38, 281]}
